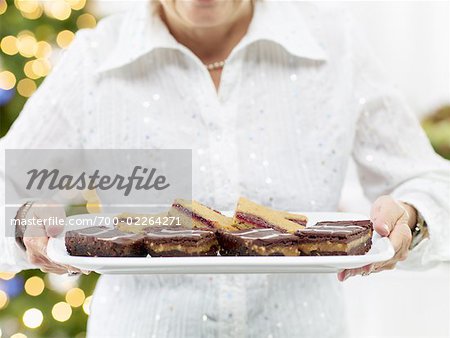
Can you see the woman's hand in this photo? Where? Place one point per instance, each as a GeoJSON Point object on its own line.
{"type": "Point", "coordinates": [391, 219]}
{"type": "Point", "coordinates": [46, 218]}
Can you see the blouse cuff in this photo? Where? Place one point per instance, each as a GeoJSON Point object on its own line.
{"type": "Point", "coordinates": [435, 249]}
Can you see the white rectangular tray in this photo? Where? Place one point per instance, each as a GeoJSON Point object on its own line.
{"type": "Point", "coordinates": [381, 250]}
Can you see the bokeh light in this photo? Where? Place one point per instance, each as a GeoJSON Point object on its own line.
{"type": "Point", "coordinates": [61, 311]}
{"type": "Point", "coordinates": [26, 6]}
{"type": "Point", "coordinates": [94, 207]}
{"type": "Point", "coordinates": [27, 45]}
{"type": "Point", "coordinates": [26, 88]}
{"type": "Point", "coordinates": [34, 15]}
{"type": "Point", "coordinates": [3, 8]}
{"type": "Point", "coordinates": [33, 318]}
{"type": "Point", "coordinates": [75, 297]}
{"type": "Point", "coordinates": [7, 275]}
{"type": "Point", "coordinates": [86, 21]}
{"type": "Point", "coordinates": [7, 80]}
{"type": "Point", "coordinates": [64, 38]}
{"type": "Point", "coordinates": [41, 67]}
{"type": "Point", "coordinates": [60, 10]}
{"type": "Point", "coordinates": [87, 305]}
{"type": "Point", "coordinates": [44, 50]}
{"type": "Point", "coordinates": [3, 299]}
{"type": "Point", "coordinates": [28, 70]}
{"type": "Point", "coordinates": [35, 285]}
{"type": "Point", "coordinates": [77, 4]}
{"type": "Point", "coordinates": [9, 45]}
{"type": "Point", "coordinates": [18, 335]}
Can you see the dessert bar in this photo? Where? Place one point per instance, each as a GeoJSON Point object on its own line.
{"type": "Point", "coordinates": [257, 242]}
{"type": "Point", "coordinates": [251, 215]}
{"type": "Point", "coordinates": [102, 241]}
{"type": "Point", "coordinates": [336, 238]}
{"type": "Point", "coordinates": [177, 241]}
{"type": "Point", "coordinates": [193, 214]}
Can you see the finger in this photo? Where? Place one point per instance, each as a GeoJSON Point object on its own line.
{"type": "Point", "coordinates": [345, 274]}
{"type": "Point", "coordinates": [385, 213]}
{"type": "Point", "coordinates": [35, 241]}
{"type": "Point", "coordinates": [55, 270]}
{"type": "Point", "coordinates": [36, 248]}
{"type": "Point", "coordinates": [389, 265]}
{"type": "Point", "coordinates": [401, 239]}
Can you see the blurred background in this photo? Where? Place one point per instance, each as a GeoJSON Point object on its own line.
{"type": "Point", "coordinates": [413, 41]}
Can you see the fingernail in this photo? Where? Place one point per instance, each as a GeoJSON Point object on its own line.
{"type": "Point", "coordinates": [386, 229]}
{"type": "Point", "coordinates": [346, 275]}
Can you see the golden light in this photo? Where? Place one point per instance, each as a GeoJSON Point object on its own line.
{"type": "Point", "coordinates": [3, 8]}
{"type": "Point", "coordinates": [34, 286]}
{"type": "Point", "coordinates": [3, 299]}
{"type": "Point", "coordinates": [61, 311]}
{"type": "Point", "coordinates": [25, 32]}
{"type": "Point", "coordinates": [26, 88]}
{"type": "Point", "coordinates": [33, 318]}
{"type": "Point", "coordinates": [36, 14]}
{"type": "Point", "coordinates": [7, 275]}
{"type": "Point", "coordinates": [41, 67]}
{"type": "Point", "coordinates": [28, 70]}
{"type": "Point", "coordinates": [64, 38]}
{"type": "Point", "coordinates": [26, 6]}
{"type": "Point", "coordinates": [44, 50]}
{"type": "Point", "coordinates": [7, 80]}
{"type": "Point", "coordinates": [94, 207]}
{"type": "Point", "coordinates": [9, 45]}
{"type": "Point", "coordinates": [86, 21]}
{"type": "Point", "coordinates": [18, 335]}
{"type": "Point", "coordinates": [87, 305]}
{"type": "Point", "coordinates": [27, 45]}
{"type": "Point", "coordinates": [77, 4]}
{"type": "Point", "coordinates": [75, 297]}
{"type": "Point", "coordinates": [60, 10]}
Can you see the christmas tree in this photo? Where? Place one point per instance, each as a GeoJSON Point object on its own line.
{"type": "Point", "coordinates": [32, 33]}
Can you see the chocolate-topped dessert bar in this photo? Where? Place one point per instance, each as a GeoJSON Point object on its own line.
{"type": "Point", "coordinates": [257, 242]}
{"type": "Point", "coordinates": [300, 219]}
{"type": "Point", "coordinates": [193, 214]}
{"type": "Point", "coordinates": [249, 215]}
{"type": "Point", "coordinates": [336, 238]}
{"type": "Point", "coordinates": [178, 241]}
{"type": "Point", "coordinates": [102, 241]}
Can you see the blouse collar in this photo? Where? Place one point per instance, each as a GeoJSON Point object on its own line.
{"type": "Point", "coordinates": [142, 32]}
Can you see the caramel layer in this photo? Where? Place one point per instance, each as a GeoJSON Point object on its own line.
{"type": "Point", "coordinates": [182, 248]}
{"type": "Point", "coordinates": [285, 250]}
{"type": "Point", "coordinates": [329, 246]}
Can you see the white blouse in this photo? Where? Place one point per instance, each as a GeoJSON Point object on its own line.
{"type": "Point", "coordinates": [300, 95]}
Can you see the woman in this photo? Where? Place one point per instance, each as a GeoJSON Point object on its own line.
{"type": "Point", "coordinates": [274, 99]}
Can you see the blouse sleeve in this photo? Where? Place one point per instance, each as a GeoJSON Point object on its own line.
{"type": "Point", "coordinates": [50, 120]}
{"type": "Point", "coordinates": [394, 156]}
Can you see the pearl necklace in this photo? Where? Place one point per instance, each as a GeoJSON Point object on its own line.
{"type": "Point", "coordinates": [215, 65]}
